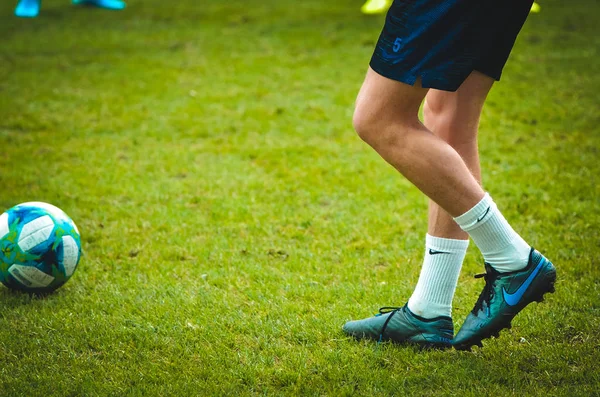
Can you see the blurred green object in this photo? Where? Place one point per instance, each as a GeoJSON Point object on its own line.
{"type": "Point", "coordinates": [372, 7]}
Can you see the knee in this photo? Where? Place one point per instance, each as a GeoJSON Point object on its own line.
{"type": "Point", "coordinates": [443, 119]}
{"type": "Point", "coordinates": [376, 129]}
{"type": "Point", "coordinates": [429, 111]}
{"type": "Point", "coordinates": [435, 115]}
{"type": "Point", "coordinates": [454, 122]}
{"type": "Point", "coordinates": [364, 125]}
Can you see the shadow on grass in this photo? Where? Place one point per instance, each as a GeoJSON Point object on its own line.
{"type": "Point", "coordinates": [16, 298]}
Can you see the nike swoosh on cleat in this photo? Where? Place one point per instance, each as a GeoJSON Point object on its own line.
{"type": "Point", "coordinates": [484, 214]}
{"type": "Point", "coordinates": [433, 252]}
{"type": "Point", "coordinates": [514, 298]}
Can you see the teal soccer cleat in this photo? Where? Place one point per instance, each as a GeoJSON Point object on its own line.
{"type": "Point", "coordinates": [108, 4]}
{"type": "Point", "coordinates": [28, 8]}
{"type": "Point", "coordinates": [503, 297]}
{"type": "Point", "coordinates": [399, 324]}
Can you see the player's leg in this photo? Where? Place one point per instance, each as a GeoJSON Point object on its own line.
{"type": "Point", "coordinates": [404, 142]}
{"type": "Point", "coordinates": [28, 8]}
{"type": "Point", "coordinates": [108, 4]}
{"type": "Point", "coordinates": [510, 261]}
{"type": "Point", "coordinates": [454, 117]}
{"type": "Point", "coordinates": [386, 117]}
{"type": "Point", "coordinates": [516, 274]}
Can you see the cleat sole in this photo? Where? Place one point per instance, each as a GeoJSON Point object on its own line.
{"type": "Point", "coordinates": [491, 334]}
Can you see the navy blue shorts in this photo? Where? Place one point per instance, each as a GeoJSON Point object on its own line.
{"type": "Point", "coordinates": [442, 41]}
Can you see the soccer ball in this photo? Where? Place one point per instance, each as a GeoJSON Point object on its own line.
{"type": "Point", "coordinates": [40, 247]}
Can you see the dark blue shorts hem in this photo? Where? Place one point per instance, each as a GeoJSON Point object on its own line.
{"type": "Point", "coordinates": [396, 74]}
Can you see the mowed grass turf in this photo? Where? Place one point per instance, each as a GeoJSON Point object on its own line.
{"type": "Point", "coordinates": [232, 221]}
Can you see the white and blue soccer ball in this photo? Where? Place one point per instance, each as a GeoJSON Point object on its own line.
{"type": "Point", "coordinates": [40, 247]}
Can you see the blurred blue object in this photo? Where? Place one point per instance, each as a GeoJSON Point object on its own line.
{"type": "Point", "coordinates": [28, 8]}
{"type": "Point", "coordinates": [31, 8]}
{"type": "Point", "coordinates": [108, 4]}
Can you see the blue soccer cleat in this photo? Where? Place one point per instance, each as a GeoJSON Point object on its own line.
{"type": "Point", "coordinates": [400, 325]}
{"type": "Point", "coordinates": [503, 297]}
{"type": "Point", "coordinates": [108, 4]}
{"type": "Point", "coordinates": [28, 8]}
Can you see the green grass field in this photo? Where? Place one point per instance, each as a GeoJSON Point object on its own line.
{"type": "Point", "coordinates": [232, 221]}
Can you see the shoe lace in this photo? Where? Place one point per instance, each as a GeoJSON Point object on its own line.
{"type": "Point", "coordinates": [385, 310]}
{"type": "Point", "coordinates": [488, 291]}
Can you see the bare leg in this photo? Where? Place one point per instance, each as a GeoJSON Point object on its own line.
{"type": "Point", "coordinates": [454, 117]}
{"type": "Point", "coordinates": [444, 166]}
{"type": "Point", "coordinates": [386, 117]}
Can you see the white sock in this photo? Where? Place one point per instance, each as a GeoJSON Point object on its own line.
{"type": "Point", "coordinates": [500, 245]}
{"type": "Point", "coordinates": [433, 294]}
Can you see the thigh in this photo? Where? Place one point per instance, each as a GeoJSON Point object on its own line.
{"type": "Point", "coordinates": [383, 100]}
